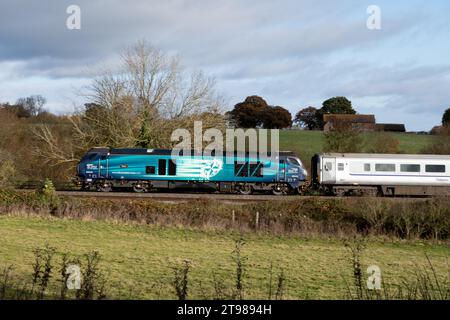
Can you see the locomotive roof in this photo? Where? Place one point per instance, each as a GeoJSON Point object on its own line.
{"type": "Point", "coordinates": [387, 156]}
{"type": "Point", "coordinates": [165, 152]}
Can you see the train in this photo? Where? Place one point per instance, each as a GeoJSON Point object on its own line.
{"type": "Point", "coordinates": [338, 174]}
{"type": "Point", "coordinates": [346, 174]}
{"type": "Point", "coordinates": [148, 169]}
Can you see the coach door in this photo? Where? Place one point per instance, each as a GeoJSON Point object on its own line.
{"type": "Point", "coordinates": [328, 170]}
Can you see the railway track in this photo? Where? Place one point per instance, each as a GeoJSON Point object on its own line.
{"type": "Point", "coordinates": [178, 197]}
{"type": "Point", "coordinates": [185, 197]}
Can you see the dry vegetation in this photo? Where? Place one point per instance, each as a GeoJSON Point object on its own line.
{"type": "Point", "coordinates": [406, 219]}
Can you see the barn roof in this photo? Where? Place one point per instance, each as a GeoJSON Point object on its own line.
{"type": "Point", "coordinates": [395, 127]}
{"type": "Point", "coordinates": [354, 118]}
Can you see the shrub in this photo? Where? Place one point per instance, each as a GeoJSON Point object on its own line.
{"type": "Point", "coordinates": [385, 143]}
{"type": "Point", "coordinates": [343, 138]}
{"type": "Point", "coordinates": [9, 175]}
{"type": "Point", "coordinates": [47, 194]}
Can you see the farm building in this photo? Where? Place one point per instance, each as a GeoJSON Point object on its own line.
{"type": "Point", "coordinates": [390, 127]}
{"type": "Point", "coordinates": [363, 122]}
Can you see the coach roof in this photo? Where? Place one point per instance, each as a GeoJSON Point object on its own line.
{"type": "Point", "coordinates": [387, 156]}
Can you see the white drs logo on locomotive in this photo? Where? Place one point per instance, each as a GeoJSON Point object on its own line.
{"type": "Point", "coordinates": [211, 169]}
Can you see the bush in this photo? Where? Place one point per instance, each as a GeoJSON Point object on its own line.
{"type": "Point", "coordinates": [385, 143]}
{"type": "Point", "coordinates": [47, 194]}
{"type": "Point", "coordinates": [9, 175]}
{"type": "Point", "coordinates": [343, 138]}
{"type": "Point", "coordinates": [440, 144]}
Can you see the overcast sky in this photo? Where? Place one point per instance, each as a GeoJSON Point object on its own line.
{"type": "Point", "coordinates": [293, 53]}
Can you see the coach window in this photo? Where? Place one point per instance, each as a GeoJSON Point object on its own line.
{"type": "Point", "coordinates": [385, 167]}
{"type": "Point", "coordinates": [340, 167]}
{"type": "Point", "coordinates": [150, 170]}
{"type": "Point", "coordinates": [366, 166]}
{"type": "Point", "coordinates": [435, 168]}
{"type": "Point", "coordinates": [410, 167]}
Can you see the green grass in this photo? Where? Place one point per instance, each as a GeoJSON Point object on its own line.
{"type": "Point", "coordinates": [138, 258]}
{"type": "Point", "coordinates": [307, 143]}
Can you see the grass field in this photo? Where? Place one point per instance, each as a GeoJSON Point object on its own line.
{"type": "Point", "coordinates": [307, 143]}
{"type": "Point", "coordinates": [138, 259]}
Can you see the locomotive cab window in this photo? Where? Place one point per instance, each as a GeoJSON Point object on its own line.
{"type": "Point", "coordinates": [89, 156]}
{"type": "Point", "coordinates": [410, 167]}
{"type": "Point", "coordinates": [293, 161]}
{"type": "Point", "coordinates": [150, 170]}
{"type": "Point", "coordinates": [328, 166]}
{"type": "Point", "coordinates": [385, 167]}
{"type": "Point", "coordinates": [438, 168]}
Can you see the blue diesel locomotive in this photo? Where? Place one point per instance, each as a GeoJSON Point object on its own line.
{"type": "Point", "coordinates": [146, 169]}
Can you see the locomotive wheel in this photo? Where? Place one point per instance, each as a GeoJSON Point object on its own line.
{"type": "Point", "coordinates": [104, 187]}
{"type": "Point", "coordinates": [139, 188]}
{"type": "Point", "coordinates": [246, 189]}
{"type": "Point", "coordinates": [279, 190]}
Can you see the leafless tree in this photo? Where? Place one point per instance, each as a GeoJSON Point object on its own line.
{"type": "Point", "coordinates": [34, 105]}
{"type": "Point", "coordinates": [150, 96]}
{"type": "Point", "coordinates": [139, 105]}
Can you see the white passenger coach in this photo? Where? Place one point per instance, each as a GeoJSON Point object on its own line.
{"type": "Point", "coordinates": [382, 174]}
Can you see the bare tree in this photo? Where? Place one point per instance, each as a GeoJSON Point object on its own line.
{"type": "Point", "coordinates": [150, 96]}
{"type": "Point", "coordinates": [33, 105]}
{"type": "Point", "coordinates": [51, 149]}
{"type": "Point", "coordinates": [139, 105]}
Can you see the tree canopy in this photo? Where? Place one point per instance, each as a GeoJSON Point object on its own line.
{"type": "Point", "coordinates": [307, 118]}
{"type": "Point", "coordinates": [250, 112]}
{"type": "Point", "coordinates": [446, 118]}
{"type": "Point", "coordinates": [255, 112]}
{"type": "Point", "coordinates": [335, 105]}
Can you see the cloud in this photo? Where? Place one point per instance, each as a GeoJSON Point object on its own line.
{"type": "Point", "coordinates": [294, 53]}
